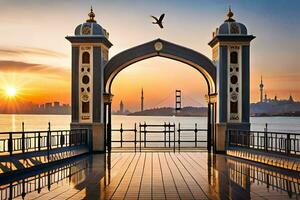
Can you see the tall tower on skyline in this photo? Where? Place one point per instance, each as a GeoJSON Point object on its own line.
{"type": "Point", "coordinates": [261, 88]}
{"type": "Point", "coordinates": [142, 100]}
{"type": "Point", "coordinates": [121, 107]}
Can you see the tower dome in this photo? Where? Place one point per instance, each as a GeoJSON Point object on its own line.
{"type": "Point", "coordinates": [90, 27]}
{"type": "Point", "coordinates": [231, 27]}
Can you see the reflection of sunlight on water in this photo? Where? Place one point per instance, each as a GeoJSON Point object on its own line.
{"type": "Point", "coordinates": [13, 122]}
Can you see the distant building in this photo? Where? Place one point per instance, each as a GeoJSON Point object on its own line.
{"type": "Point", "coordinates": [31, 108]}
{"type": "Point", "coordinates": [48, 106]}
{"type": "Point", "coordinates": [269, 106]}
{"type": "Point", "coordinates": [56, 104]}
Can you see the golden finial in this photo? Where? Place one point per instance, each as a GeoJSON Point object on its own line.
{"type": "Point", "coordinates": [92, 16]}
{"type": "Point", "coordinates": [230, 15]}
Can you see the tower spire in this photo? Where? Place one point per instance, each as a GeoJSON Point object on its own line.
{"type": "Point", "coordinates": [261, 89]}
{"type": "Point", "coordinates": [229, 15]}
{"type": "Point", "coordinates": [91, 16]}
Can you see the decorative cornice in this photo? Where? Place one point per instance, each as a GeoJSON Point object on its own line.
{"type": "Point", "coordinates": [230, 38]}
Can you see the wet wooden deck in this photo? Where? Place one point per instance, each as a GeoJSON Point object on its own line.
{"type": "Point", "coordinates": [167, 175]}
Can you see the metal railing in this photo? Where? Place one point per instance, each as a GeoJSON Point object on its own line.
{"type": "Point", "coordinates": [12, 143]}
{"type": "Point", "coordinates": [168, 134]}
{"type": "Point", "coordinates": [283, 143]}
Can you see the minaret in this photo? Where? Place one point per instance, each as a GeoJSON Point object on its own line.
{"type": "Point", "coordinates": [261, 88]}
{"type": "Point", "coordinates": [142, 101]}
{"type": "Point", "coordinates": [121, 107]}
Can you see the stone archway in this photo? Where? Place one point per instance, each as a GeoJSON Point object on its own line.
{"type": "Point", "coordinates": [165, 49]}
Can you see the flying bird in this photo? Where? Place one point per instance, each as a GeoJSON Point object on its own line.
{"type": "Point", "coordinates": [158, 21]}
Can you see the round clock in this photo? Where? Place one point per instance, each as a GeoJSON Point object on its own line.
{"type": "Point", "coordinates": [158, 46]}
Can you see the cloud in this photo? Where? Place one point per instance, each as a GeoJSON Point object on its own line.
{"type": "Point", "coordinates": [22, 67]}
{"type": "Point", "coordinates": [16, 66]}
{"type": "Point", "coordinates": [30, 51]}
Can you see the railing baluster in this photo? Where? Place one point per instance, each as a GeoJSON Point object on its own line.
{"type": "Point", "coordinates": [135, 137]}
{"type": "Point", "coordinates": [165, 132]}
{"type": "Point", "coordinates": [174, 137]}
{"type": "Point", "coordinates": [48, 142]}
{"type": "Point", "coordinates": [23, 138]}
{"type": "Point", "coordinates": [39, 141]}
{"type": "Point", "coordinates": [121, 131]}
{"type": "Point", "coordinates": [179, 136]}
{"type": "Point", "coordinates": [288, 144]}
{"type": "Point", "coordinates": [10, 144]}
{"type": "Point", "coordinates": [145, 134]}
{"type": "Point", "coordinates": [62, 139]}
{"type": "Point", "coordinates": [196, 135]}
{"type": "Point", "coordinates": [140, 130]}
{"type": "Point", "coordinates": [169, 135]}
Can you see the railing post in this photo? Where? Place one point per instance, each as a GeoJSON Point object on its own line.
{"type": "Point", "coordinates": [135, 137]}
{"type": "Point", "coordinates": [140, 130]}
{"type": "Point", "coordinates": [39, 141]}
{"type": "Point", "coordinates": [165, 132]}
{"type": "Point", "coordinates": [62, 139]}
{"type": "Point", "coordinates": [179, 136]}
{"type": "Point", "coordinates": [174, 137]}
{"type": "Point", "coordinates": [145, 137]}
{"type": "Point", "coordinates": [50, 138]}
{"type": "Point", "coordinates": [48, 141]}
{"type": "Point", "coordinates": [121, 131]}
{"type": "Point", "coordinates": [23, 138]}
{"type": "Point", "coordinates": [288, 144]}
{"type": "Point", "coordinates": [10, 144]}
{"type": "Point", "coordinates": [266, 137]}
{"type": "Point", "coordinates": [196, 141]}
{"type": "Point", "coordinates": [169, 131]}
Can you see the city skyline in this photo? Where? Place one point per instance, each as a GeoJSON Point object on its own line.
{"type": "Point", "coordinates": [48, 64]}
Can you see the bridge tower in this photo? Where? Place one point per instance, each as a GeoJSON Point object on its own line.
{"type": "Point", "coordinates": [90, 47]}
{"type": "Point", "coordinates": [231, 55]}
{"type": "Point", "coordinates": [177, 101]}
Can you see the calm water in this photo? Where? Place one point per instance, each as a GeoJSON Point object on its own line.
{"type": "Point", "coordinates": [10, 122]}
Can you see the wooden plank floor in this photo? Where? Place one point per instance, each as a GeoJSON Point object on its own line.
{"type": "Point", "coordinates": [155, 176]}
{"type": "Point", "coordinates": [164, 175]}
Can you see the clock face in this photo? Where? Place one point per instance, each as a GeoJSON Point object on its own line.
{"type": "Point", "coordinates": [86, 30]}
{"type": "Point", "coordinates": [158, 46]}
{"type": "Point", "coordinates": [234, 29]}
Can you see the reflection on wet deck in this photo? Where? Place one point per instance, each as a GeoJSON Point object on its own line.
{"type": "Point", "coordinates": [153, 175]}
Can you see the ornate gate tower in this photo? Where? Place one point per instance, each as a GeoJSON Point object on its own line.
{"type": "Point", "coordinates": [89, 55]}
{"type": "Point", "coordinates": [231, 55]}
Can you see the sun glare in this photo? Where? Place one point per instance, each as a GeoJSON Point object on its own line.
{"type": "Point", "coordinates": [11, 91]}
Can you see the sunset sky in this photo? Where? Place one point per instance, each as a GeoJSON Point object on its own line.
{"type": "Point", "coordinates": [35, 57]}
